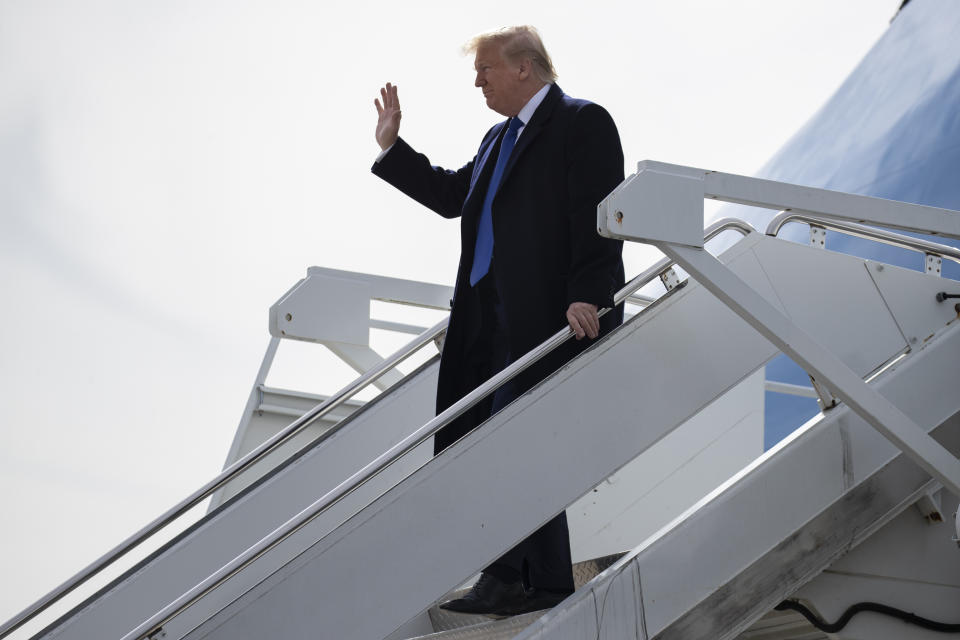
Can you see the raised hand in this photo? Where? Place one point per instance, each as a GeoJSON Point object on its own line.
{"type": "Point", "coordinates": [388, 121]}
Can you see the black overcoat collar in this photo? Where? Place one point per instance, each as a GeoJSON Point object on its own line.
{"type": "Point", "coordinates": [486, 157]}
{"type": "Point", "coordinates": [533, 128]}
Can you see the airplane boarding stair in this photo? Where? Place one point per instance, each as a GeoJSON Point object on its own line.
{"type": "Point", "coordinates": [316, 463]}
{"type": "Point", "coordinates": [385, 542]}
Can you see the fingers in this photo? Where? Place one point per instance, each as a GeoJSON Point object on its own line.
{"type": "Point", "coordinates": [577, 322]}
{"type": "Point", "coordinates": [388, 116]}
{"type": "Point", "coordinates": [575, 325]}
{"type": "Point", "coordinates": [388, 95]}
{"type": "Point", "coordinates": [593, 322]}
{"type": "Point", "coordinates": [583, 319]}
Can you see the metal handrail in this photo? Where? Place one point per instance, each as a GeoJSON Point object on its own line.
{"type": "Point", "coordinates": [224, 477]}
{"type": "Point", "coordinates": [863, 231]}
{"type": "Point", "coordinates": [403, 447]}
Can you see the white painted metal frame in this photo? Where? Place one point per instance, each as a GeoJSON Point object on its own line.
{"type": "Point", "coordinates": [669, 186]}
{"type": "Point", "coordinates": [934, 253]}
{"type": "Point", "coordinates": [333, 308]}
{"type": "Point", "coordinates": [675, 326]}
{"type": "Point", "coordinates": [754, 355]}
{"type": "Point", "coordinates": [232, 469]}
{"type": "Point", "coordinates": [148, 627]}
{"type": "Point", "coordinates": [626, 214]}
{"type": "Point", "coordinates": [774, 526]}
{"type": "Point", "coordinates": [230, 472]}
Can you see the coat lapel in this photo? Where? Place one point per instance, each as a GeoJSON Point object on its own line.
{"type": "Point", "coordinates": [484, 165]}
{"type": "Point", "coordinates": [486, 158]}
{"type": "Point", "coordinates": [532, 129]}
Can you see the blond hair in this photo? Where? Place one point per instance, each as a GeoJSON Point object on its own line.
{"type": "Point", "coordinates": [517, 43]}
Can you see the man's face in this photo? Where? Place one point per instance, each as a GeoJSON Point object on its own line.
{"type": "Point", "coordinates": [501, 82]}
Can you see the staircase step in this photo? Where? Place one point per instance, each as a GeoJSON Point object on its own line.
{"type": "Point", "coordinates": [442, 620]}
{"type": "Point", "coordinates": [488, 629]}
{"type": "Point", "coordinates": [775, 625]}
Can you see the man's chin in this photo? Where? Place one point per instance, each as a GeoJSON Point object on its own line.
{"type": "Point", "coordinates": [492, 104]}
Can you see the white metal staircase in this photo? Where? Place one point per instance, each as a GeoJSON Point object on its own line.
{"type": "Point", "coordinates": [337, 543]}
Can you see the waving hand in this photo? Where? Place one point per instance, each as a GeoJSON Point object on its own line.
{"type": "Point", "coordinates": [388, 122]}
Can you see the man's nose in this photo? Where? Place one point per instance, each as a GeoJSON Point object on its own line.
{"type": "Point", "coordinates": [478, 82]}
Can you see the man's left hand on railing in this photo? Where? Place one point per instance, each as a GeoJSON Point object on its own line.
{"type": "Point", "coordinates": [583, 319]}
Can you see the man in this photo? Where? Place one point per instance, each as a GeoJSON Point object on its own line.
{"type": "Point", "coordinates": [531, 260]}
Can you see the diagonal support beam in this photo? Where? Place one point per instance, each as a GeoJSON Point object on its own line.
{"type": "Point", "coordinates": [817, 360]}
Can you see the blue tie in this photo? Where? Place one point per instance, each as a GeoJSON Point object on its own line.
{"type": "Point", "coordinates": [483, 251]}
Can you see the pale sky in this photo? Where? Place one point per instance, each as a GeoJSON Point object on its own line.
{"type": "Point", "coordinates": [170, 169]}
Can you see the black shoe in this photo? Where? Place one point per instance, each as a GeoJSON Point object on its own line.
{"type": "Point", "coordinates": [534, 600]}
{"type": "Point", "coordinates": [488, 595]}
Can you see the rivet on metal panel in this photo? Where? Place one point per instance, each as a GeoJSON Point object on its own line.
{"type": "Point", "coordinates": [288, 317]}
{"type": "Point", "coordinates": [669, 279]}
{"type": "Point", "coordinates": [619, 217]}
{"type": "Point", "coordinates": [818, 236]}
{"type": "Point", "coordinates": [933, 263]}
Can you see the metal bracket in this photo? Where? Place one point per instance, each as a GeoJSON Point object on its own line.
{"type": "Point", "coordinates": [439, 340]}
{"type": "Point", "coordinates": [669, 279]}
{"type": "Point", "coordinates": [933, 263]}
{"type": "Point", "coordinates": [825, 397]}
{"type": "Point", "coordinates": [929, 505]}
{"type": "Point", "coordinates": [818, 236]}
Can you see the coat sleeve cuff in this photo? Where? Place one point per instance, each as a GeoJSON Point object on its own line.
{"type": "Point", "coordinates": [595, 293]}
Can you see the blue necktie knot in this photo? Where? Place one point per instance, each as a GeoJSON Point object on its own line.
{"type": "Point", "coordinates": [483, 250]}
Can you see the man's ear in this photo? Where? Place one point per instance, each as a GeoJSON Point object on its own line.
{"type": "Point", "coordinates": [524, 70]}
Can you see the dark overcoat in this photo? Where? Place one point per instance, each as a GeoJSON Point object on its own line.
{"type": "Point", "coordinates": [547, 253]}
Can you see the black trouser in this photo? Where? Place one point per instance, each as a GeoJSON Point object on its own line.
{"type": "Point", "coordinates": [542, 560]}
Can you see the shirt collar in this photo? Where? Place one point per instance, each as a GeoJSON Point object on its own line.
{"type": "Point", "coordinates": [528, 109]}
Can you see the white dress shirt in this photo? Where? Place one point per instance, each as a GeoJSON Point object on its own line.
{"type": "Point", "coordinates": [528, 109]}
